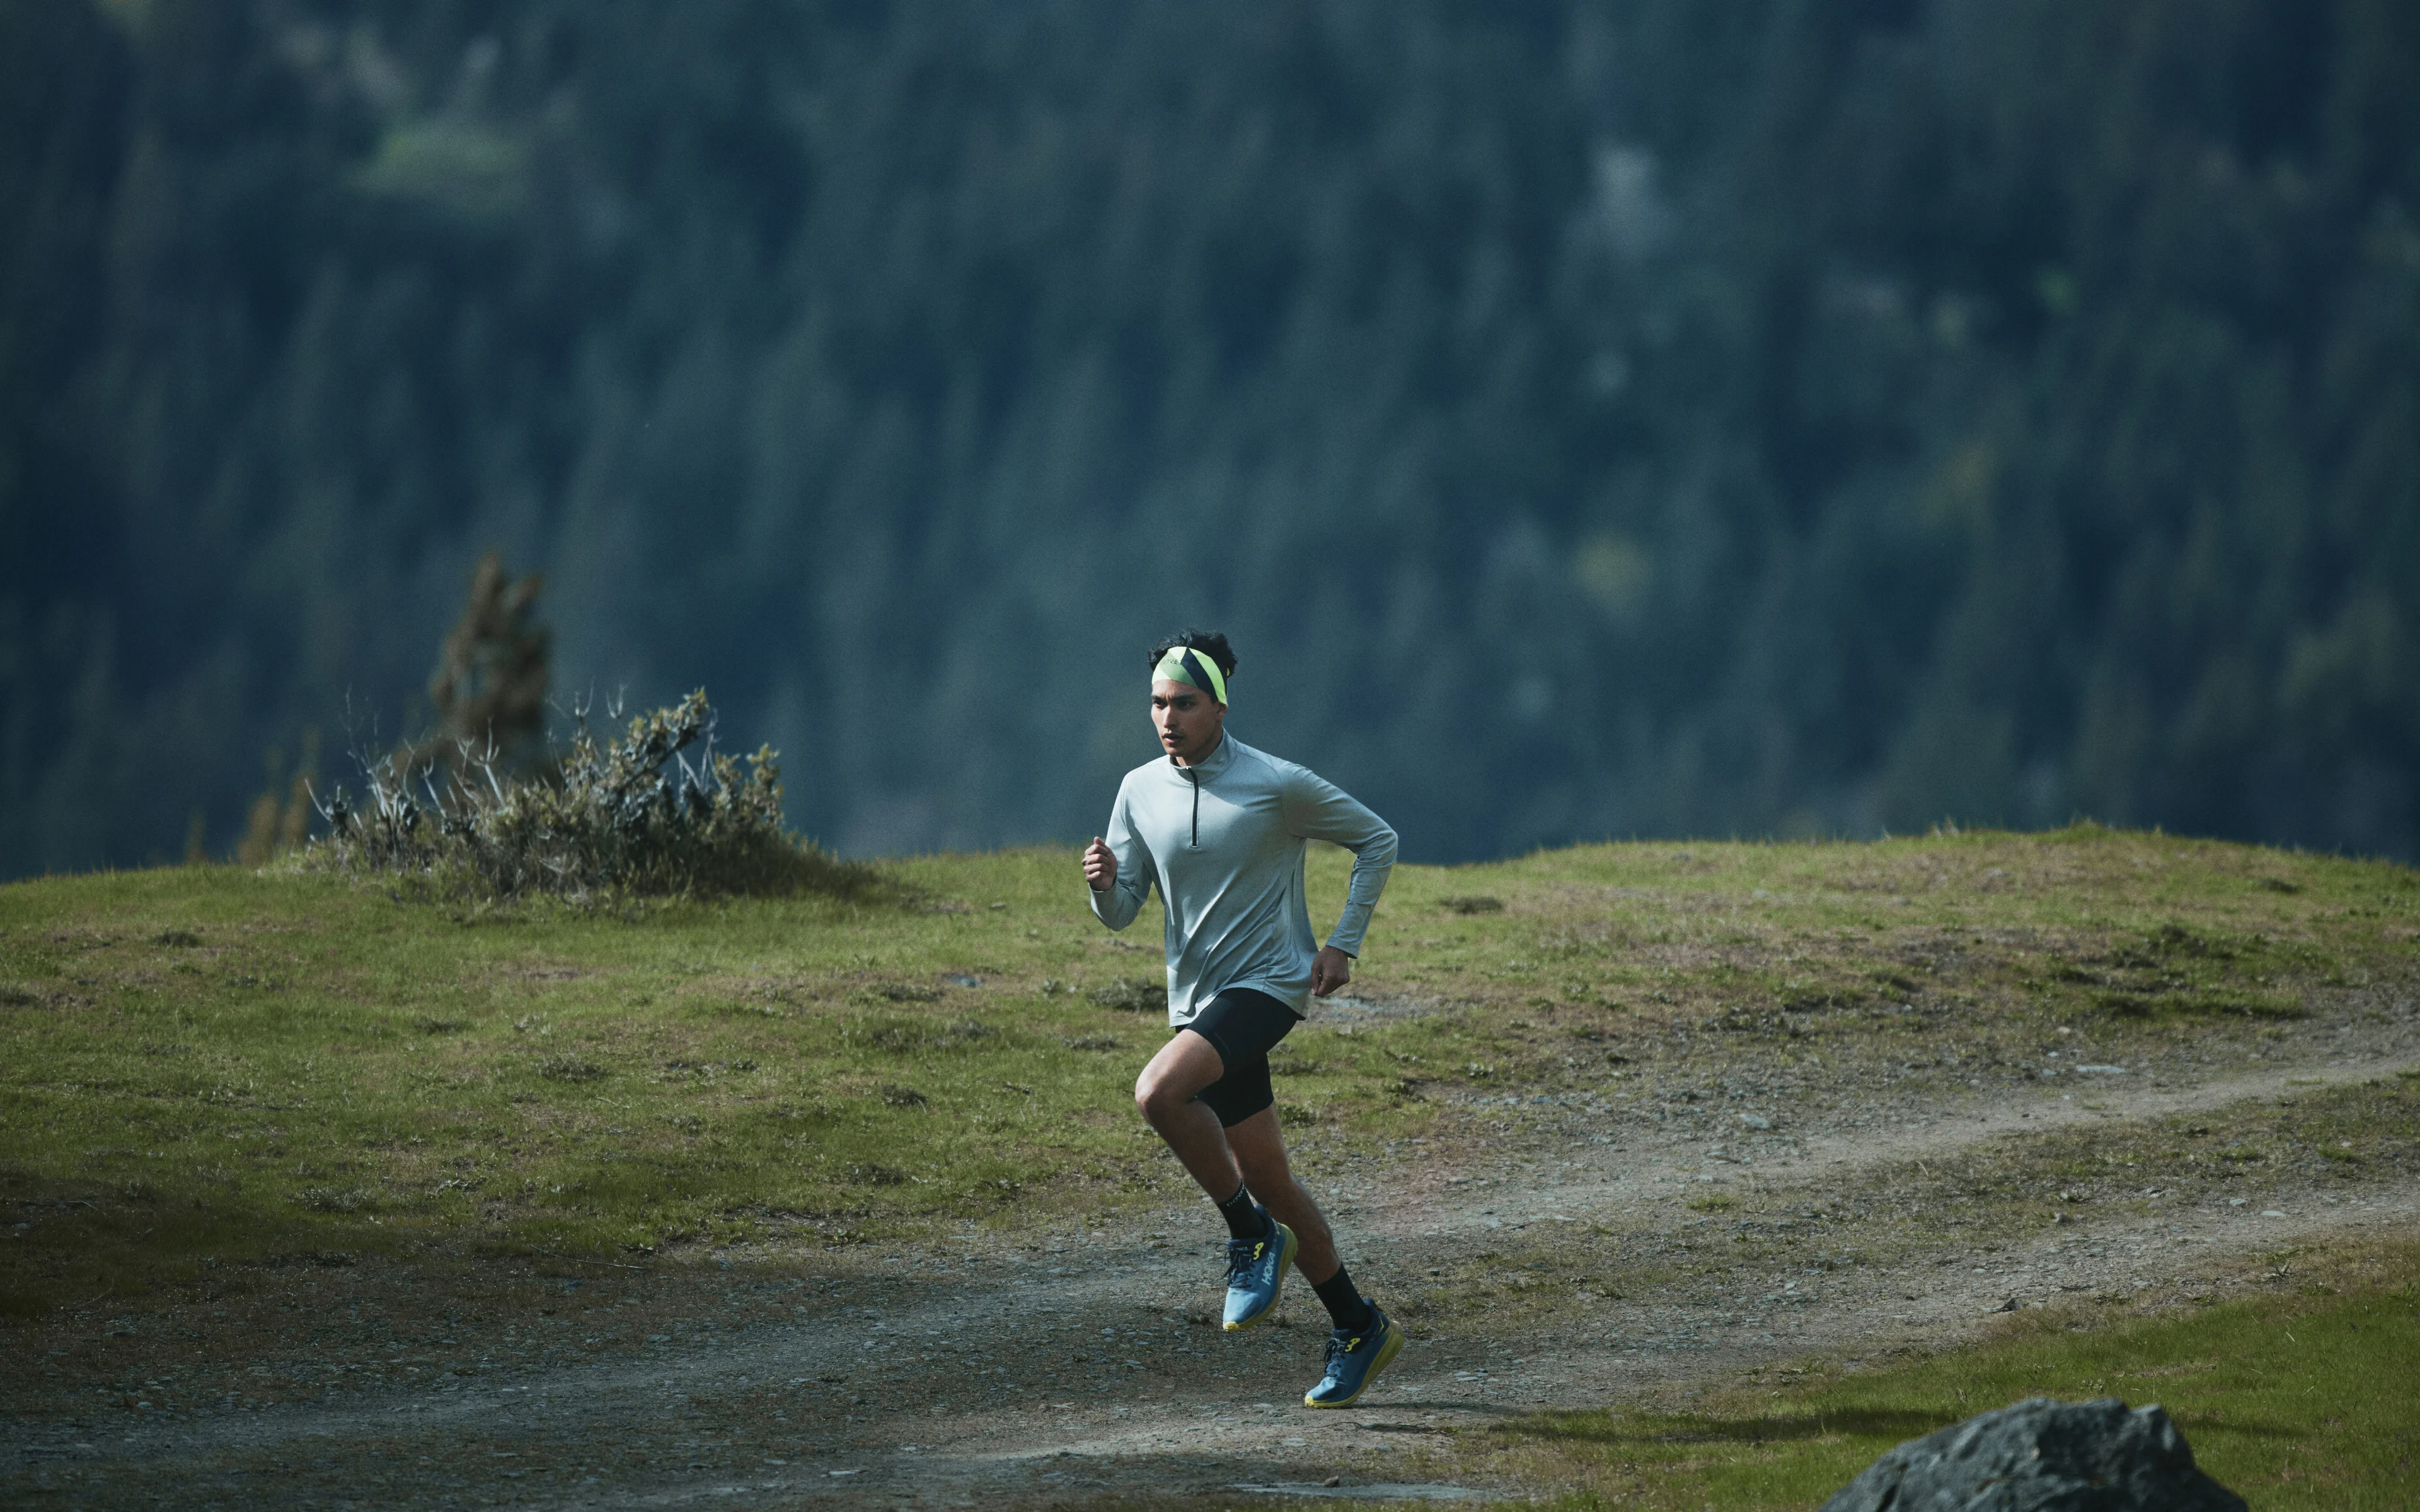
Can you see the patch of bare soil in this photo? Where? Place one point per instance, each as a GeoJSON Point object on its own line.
{"type": "Point", "coordinates": [1569, 1249]}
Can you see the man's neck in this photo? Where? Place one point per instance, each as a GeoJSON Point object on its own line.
{"type": "Point", "coordinates": [1204, 756]}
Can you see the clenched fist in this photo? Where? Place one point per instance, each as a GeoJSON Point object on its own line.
{"type": "Point", "coordinates": [1100, 866]}
{"type": "Point", "coordinates": [1329, 969]}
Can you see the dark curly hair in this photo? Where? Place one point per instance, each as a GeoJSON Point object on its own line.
{"type": "Point", "coordinates": [1209, 642]}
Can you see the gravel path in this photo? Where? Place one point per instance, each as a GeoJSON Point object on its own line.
{"type": "Point", "coordinates": [1058, 1364]}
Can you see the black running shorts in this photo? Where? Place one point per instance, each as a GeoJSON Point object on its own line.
{"type": "Point", "coordinates": [1243, 1026]}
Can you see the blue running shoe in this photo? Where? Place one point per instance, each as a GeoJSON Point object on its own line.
{"type": "Point", "coordinates": [1256, 1272]}
{"type": "Point", "coordinates": [1355, 1357]}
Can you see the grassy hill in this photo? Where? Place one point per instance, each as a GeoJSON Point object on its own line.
{"type": "Point", "coordinates": [209, 1063]}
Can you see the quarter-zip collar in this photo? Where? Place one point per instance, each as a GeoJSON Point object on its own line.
{"type": "Point", "coordinates": [1221, 757]}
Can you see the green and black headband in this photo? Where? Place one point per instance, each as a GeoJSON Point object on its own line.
{"type": "Point", "coordinates": [1182, 664]}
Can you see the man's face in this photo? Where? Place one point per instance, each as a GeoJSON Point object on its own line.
{"type": "Point", "coordinates": [1189, 721]}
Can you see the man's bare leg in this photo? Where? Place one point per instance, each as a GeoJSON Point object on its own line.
{"type": "Point", "coordinates": [1165, 1093]}
{"type": "Point", "coordinates": [1252, 1154]}
{"type": "Point", "coordinates": [1259, 1149]}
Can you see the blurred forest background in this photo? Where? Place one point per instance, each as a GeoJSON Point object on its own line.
{"type": "Point", "coordinates": [1590, 417]}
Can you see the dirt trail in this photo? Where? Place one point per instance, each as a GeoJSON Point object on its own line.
{"type": "Point", "coordinates": [1072, 1363]}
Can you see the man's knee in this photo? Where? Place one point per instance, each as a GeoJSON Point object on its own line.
{"type": "Point", "coordinates": [1155, 1097]}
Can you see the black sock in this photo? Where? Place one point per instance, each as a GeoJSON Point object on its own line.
{"type": "Point", "coordinates": [1348, 1307]}
{"type": "Point", "coordinates": [1243, 1215]}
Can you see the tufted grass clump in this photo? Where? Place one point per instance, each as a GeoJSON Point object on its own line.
{"type": "Point", "coordinates": [627, 818]}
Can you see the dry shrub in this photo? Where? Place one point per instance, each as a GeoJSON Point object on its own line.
{"type": "Point", "coordinates": [632, 817]}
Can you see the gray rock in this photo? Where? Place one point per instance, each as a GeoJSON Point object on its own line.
{"type": "Point", "coordinates": [2042, 1455]}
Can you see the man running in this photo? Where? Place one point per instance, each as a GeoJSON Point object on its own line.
{"type": "Point", "coordinates": [1220, 827]}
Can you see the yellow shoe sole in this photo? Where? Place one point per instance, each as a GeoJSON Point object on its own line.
{"type": "Point", "coordinates": [1387, 1353]}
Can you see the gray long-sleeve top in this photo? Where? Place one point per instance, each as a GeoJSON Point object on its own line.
{"type": "Point", "coordinates": [1223, 840]}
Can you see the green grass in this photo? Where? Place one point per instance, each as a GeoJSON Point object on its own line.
{"type": "Point", "coordinates": [212, 1063]}
{"type": "Point", "coordinates": [2301, 1402]}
